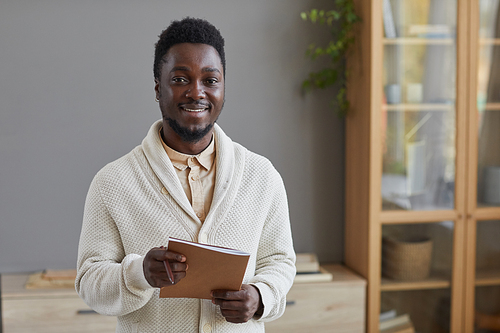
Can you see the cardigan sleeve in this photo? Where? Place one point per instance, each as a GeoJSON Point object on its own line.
{"type": "Point", "coordinates": [107, 280]}
{"type": "Point", "coordinates": [275, 265]}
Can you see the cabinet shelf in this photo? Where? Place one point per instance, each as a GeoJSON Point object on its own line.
{"type": "Point", "coordinates": [489, 41]}
{"type": "Point", "coordinates": [486, 212]}
{"type": "Point", "coordinates": [490, 107]}
{"type": "Point", "coordinates": [406, 216]}
{"type": "Point", "coordinates": [435, 281]}
{"type": "Point", "coordinates": [418, 41]}
{"type": "Point", "coordinates": [489, 277]}
{"type": "Point", "coordinates": [419, 107]}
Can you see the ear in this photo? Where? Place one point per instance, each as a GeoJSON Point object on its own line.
{"type": "Point", "coordinates": [157, 88]}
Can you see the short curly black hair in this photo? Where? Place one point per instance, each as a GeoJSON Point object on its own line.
{"type": "Point", "coordinates": [188, 30]}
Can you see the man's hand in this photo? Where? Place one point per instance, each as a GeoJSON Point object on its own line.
{"type": "Point", "coordinates": [238, 306]}
{"type": "Point", "coordinates": [154, 268]}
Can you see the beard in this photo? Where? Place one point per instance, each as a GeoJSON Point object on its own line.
{"type": "Point", "coordinates": [187, 135]}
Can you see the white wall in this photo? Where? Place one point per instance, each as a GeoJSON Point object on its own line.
{"type": "Point", "coordinates": [76, 92]}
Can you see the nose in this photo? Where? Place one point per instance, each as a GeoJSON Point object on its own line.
{"type": "Point", "coordinates": [196, 91]}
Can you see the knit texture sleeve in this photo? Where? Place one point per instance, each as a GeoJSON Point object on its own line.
{"type": "Point", "coordinates": [109, 281]}
{"type": "Point", "coordinates": [275, 263]}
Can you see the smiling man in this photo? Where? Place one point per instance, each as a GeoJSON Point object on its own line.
{"type": "Point", "coordinates": [186, 180]}
{"type": "Point", "coordinates": [190, 91]}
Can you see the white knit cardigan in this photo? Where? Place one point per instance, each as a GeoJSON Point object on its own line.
{"type": "Point", "coordinates": [136, 202]}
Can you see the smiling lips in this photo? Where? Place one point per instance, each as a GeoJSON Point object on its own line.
{"type": "Point", "coordinates": [197, 108]}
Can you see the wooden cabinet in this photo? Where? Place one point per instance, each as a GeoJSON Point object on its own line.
{"type": "Point", "coordinates": [423, 157]}
{"type": "Point", "coordinates": [47, 310]}
{"type": "Point", "coordinates": [335, 306]}
{"type": "Point", "coordinates": [338, 305]}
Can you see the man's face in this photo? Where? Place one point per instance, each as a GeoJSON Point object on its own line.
{"type": "Point", "coordinates": [190, 92]}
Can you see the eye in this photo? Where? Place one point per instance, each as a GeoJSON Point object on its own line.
{"type": "Point", "coordinates": [178, 79]}
{"type": "Point", "coordinates": [212, 81]}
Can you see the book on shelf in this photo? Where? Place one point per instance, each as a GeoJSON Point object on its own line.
{"type": "Point", "coordinates": [210, 268]}
{"type": "Point", "coordinates": [320, 276]}
{"type": "Point", "coordinates": [389, 26]}
{"type": "Point", "coordinates": [487, 321]}
{"type": "Point", "coordinates": [430, 30]}
{"type": "Point", "coordinates": [307, 263]}
{"type": "Point", "coordinates": [51, 279]}
{"type": "Point", "coordinates": [404, 328]}
{"type": "Point", "coordinates": [394, 322]}
{"type": "Point", "coordinates": [59, 274]}
{"type": "Point", "coordinates": [387, 315]}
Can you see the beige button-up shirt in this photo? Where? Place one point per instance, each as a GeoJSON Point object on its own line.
{"type": "Point", "coordinates": [197, 176]}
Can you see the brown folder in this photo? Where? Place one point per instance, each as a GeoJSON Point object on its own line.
{"type": "Point", "coordinates": [209, 268]}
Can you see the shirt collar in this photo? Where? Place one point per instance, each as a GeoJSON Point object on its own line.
{"type": "Point", "coordinates": [180, 161]}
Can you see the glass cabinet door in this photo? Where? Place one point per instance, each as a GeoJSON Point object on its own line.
{"type": "Point", "coordinates": [487, 283]}
{"type": "Point", "coordinates": [418, 111]}
{"type": "Point", "coordinates": [487, 230]}
{"type": "Point", "coordinates": [416, 276]}
{"type": "Point", "coordinates": [418, 134]}
{"type": "Point", "coordinates": [488, 102]}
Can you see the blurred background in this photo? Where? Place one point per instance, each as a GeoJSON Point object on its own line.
{"type": "Point", "coordinates": [77, 92]}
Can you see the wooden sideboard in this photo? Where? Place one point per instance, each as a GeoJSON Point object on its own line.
{"type": "Point", "coordinates": [47, 310]}
{"type": "Point", "coordinates": [338, 305]}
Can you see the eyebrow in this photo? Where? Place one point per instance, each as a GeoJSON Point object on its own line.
{"type": "Point", "coordinates": [179, 68]}
{"type": "Point", "coordinates": [187, 69]}
{"type": "Point", "coordinates": [211, 69]}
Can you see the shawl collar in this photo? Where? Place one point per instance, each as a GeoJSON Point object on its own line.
{"type": "Point", "coordinates": [163, 168]}
{"type": "Point", "coordinates": [229, 170]}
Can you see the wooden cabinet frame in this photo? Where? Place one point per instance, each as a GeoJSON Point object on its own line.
{"type": "Point", "coordinates": [364, 215]}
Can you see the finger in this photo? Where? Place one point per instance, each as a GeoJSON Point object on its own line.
{"type": "Point", "coordinates": [240, 307]}
{"type": "Point", "coordinates": [164, 281]}
{"type": "Point", "coordinates": [235, 316]}
{"type": "Point", "coordinates": [231, 314]}
{"type": "Point", "coordinates": [178, 267]}
{"type": "Point", "coordinates": [158, 267]}
{"type": "Point", "coordinates": [228, 294]}
{"type": "Point", "coordinates": [164, 254]}
{"type": "Point", "coordinates": [179, 276]}
{"type": "Point", "coordinates": [159, 280]}
{"type": "Point", "coordinates": [156, 270]}
{"type": "Point", "coordinates": [235, 320]}
{"type": "Point", "coordinates": [227, 305]}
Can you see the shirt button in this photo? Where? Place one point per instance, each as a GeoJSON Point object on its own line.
{"type": "Point", "coordinates": [200, 215]}
{"type": "Point", "coordinates": [164, 190]}
{"type": "Point", "coordinates": [203, 239]}
{"type": "Point", "coordinates": [207, 328]}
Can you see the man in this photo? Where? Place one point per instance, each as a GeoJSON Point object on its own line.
{"type": "Point", "coordinates": [186, 180]}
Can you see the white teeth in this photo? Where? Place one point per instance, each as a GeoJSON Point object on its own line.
{"type": "Point", "coordinates": [194, 110]}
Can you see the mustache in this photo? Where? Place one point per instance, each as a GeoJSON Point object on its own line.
{"type": "Point", "coordinates": [196, 103]}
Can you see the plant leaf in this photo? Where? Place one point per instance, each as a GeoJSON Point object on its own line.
{"type": "Point", "coordinates": [342, 37]}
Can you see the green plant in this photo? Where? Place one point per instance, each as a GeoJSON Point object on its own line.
{"type": "Point", "coordinates": [342, 33]}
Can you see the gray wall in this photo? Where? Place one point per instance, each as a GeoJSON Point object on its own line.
{"type": "Point", "coordinates": [76, 92]}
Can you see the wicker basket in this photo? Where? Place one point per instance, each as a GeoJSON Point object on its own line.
{"type": "Point", "coordinates": [406, 260]}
